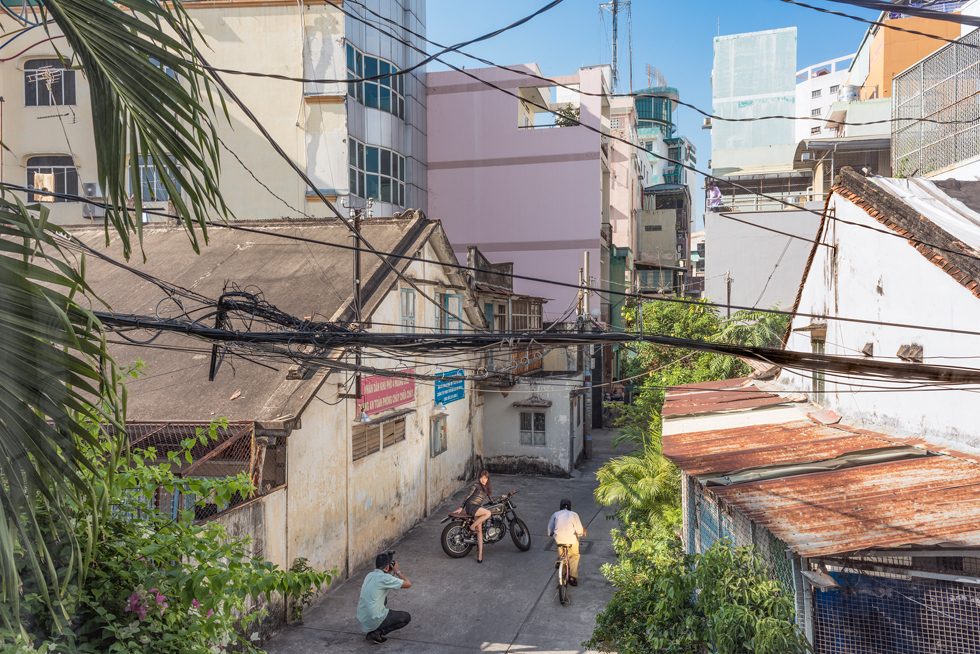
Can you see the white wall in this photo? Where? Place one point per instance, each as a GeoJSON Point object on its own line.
{"type": "Point", "coordinates": [806, 103]}
{"type": "Point", "coordinates": [767, 267]}
{"type": "Point", "coordinates": [884, 279]}
{"type": "Point", "coordinates": [563, 432]}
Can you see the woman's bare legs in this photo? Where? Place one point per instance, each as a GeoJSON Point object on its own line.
{"type": "Point", "coordinates": [481, 516]}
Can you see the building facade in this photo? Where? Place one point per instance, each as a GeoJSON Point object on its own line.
{"type": "Point", "coordinates": [358, 141]}
{"type": "Point", "coordinates": [508, 178]}
{"type": "Point", "coordinates": [818, 87]}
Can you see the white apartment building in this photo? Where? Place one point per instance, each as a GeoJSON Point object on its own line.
{"type": "Point", "coordinates": [818, 87]}
{"type": "Point", "coordinates": [355, 141]}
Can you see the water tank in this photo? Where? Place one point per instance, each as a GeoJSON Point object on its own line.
{"type": "Point", "coordinates": [849, 92]}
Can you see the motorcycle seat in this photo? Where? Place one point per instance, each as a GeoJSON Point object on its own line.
{"type": "Point", "coordinates": [459, 513]}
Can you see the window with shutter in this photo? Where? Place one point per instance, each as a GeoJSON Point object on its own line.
{"type": "Point", "coordinates": [365, 440]}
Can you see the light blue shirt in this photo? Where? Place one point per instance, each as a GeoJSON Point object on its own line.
{"type": "Point", "coordinates": [371, 609]}
{"type": "Point", "coordinates": [565, 526]}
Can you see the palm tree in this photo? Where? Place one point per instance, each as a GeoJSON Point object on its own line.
{"type": "Point", "coordinates": [55, 373]}
{"type": "Point", "coordinates": [644, 486]}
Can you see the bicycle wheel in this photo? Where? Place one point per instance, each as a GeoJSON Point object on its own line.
{"type": "Point", "coordinates": [563, 583]}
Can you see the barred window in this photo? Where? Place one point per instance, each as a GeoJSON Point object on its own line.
{"type": "Point", "coordinates": [53, 173]}
{"type": "Point", "coordinates": [526, 315]}
{"type": "Point", "coordinates": [532, 428]}
{"type": "Point", "coordinates": [152, 184]}
{"type": "Point", "coordinates": [376, 173]}
{"type": "Point", "coordinates": [47, 82]}
{"type": "Point", "coordinates": [385, 93]}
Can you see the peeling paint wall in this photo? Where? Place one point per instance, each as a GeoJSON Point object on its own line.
{"type": "Point", "coordinates": [343, 512]}
{"type": "Point", "coordinates": [883, 278]}
{"type": "Point", "coordinates": [564, 438]}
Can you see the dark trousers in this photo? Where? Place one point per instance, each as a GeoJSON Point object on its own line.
{"type": "Point", "coordinates": [394, 621]}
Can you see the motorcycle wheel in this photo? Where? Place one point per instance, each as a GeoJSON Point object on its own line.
{"type": "Point", "coordinates": [453, 540]}
{"type": "Point", "coordinates": [520, 535]}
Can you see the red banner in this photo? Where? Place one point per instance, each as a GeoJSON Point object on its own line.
{"type": "Point", "coordinates": [380, 393]}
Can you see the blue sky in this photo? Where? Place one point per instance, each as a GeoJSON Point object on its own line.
{"type": "Point", "coordinates": [672, 35]}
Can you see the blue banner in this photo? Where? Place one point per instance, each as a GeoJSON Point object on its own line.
{"type": "Point", "coordinates": [451, 387]}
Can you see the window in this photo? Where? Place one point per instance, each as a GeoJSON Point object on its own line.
{"type": "Point", "coordinates": [815, 113]}
{"type": "Point", "coordinates": [438, 442]}
{"type": "Point", "coordinates": [815, 93]}
{"type": "Point", "coordinates": [151, 182]}
{"type": "Point", "coordinates": [376, 173]}
{"type": "Point", "coordinates": [47, 82]}
{"type": "Point", "coordinates": [653, 228]}
{"type": "Point", "coordinates": [488, 314]}
{"type": "Point", "coordinates": [500, 318]}
{"type": "Point", "coordinates": [385, 93]}
{"type": "Point", "coordinates": [56, 173]}
{"type": "Point", "coordinates": [526, 316]}
{"type": "Point", "coordinates": [834, 89]}
{"type": "Point", "coordinates": [814, 130]}
{"type": "Point", "coordinates": [616, 123]}
{"type": "Point", "coordinates": [368, 439]}
{"type": "Point", "coordinates": [408, 309]}
{"type": "Point", "coordinates": [532, 428]}
{"type": "Point", "coordinates": [449, 313]}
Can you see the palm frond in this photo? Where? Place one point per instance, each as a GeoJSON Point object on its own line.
{"type": "Point", "coordinates": [151, 101]}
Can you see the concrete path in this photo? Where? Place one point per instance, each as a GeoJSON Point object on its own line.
{"type": "Point", "coordinates": [508, 604]}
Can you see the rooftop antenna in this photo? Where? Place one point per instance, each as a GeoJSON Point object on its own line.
{"type": "Point", "coordinates": [613, 6]}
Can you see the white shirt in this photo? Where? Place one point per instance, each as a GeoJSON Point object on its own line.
{"type": "Point", "coordinates": [565, 526]}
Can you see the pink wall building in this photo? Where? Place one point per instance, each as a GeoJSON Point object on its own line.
{"type": "Point", "coordinates": [504, 178]}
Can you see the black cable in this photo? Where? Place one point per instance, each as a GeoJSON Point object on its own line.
{"type": "Point", "coordinates": [557, 83]}
{"type": "Point", "coordinates": [910, 10]}
{"type": "Point", "coordinates": [610, 292]}
{"type": "Point", "coordinates": [881, 24]}
{"type": "Point", "coordinates": [675, 162]}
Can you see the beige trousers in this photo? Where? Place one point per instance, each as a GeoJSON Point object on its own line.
{"type": "Point", "coordinates": [573, 559]}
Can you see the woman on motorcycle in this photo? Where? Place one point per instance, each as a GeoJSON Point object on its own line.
{"type": "Point", "coordinates": [480, 493]}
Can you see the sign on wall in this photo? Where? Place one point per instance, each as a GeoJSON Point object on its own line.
{"type": "Point", "coordinates": [381, 393]}
{"type": "Point", "coordinates": [451, 386]}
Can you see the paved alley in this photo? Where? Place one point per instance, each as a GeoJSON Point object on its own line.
{"type": "Point", "coordinates": [508, 604]}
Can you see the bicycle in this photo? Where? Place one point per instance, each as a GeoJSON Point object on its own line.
{"type": "Point", "coordinates": [564, 573]}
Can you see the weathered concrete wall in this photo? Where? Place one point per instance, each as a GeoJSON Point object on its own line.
{"type": "Point", "coordinates": [564, 438]}
{"type": "Point", "coordinates": [884, 279]}
{"type": "Point", "coordinates": [766, 267]}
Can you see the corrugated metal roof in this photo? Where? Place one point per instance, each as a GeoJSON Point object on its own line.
{"type": "Point", "coordinates": [925, 500]}
{"type": "Point", "coordinates": [728, 450]}
{"type": "Point", "coordinates": [712, 397]}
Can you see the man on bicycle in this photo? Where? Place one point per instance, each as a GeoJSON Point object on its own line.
{"type": "Point", "coordinates": [566, 527]}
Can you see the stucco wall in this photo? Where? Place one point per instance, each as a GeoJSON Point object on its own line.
{"type": "Point", "coordinates": [882, 278]}
{"type": "Point", "coordinates": [563, 432]}
{"type": "Point", "coordinates": [766, 267]}
{"type": "Point", "coordinates": [531, 196]}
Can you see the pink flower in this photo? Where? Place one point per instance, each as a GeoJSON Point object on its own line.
{"type": "Point", "coordinates": [210, 613]}
{"type": "Point", "coordinates": [195, 604]}
{"type": "Point", "coordinates": [135, 605]}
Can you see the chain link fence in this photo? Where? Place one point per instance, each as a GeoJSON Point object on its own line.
{"type": "Point", "coordinates": [944, 87]}
{"type": "Point", "coordinates": [216, 451]}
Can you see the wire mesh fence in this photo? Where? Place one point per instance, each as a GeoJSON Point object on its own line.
{"type": "Point", "coordinates": [215, 451]}
{"type": "Point", "coordinates": [891, 613]}
{"type": "Point", "coordinates": [945, 88]}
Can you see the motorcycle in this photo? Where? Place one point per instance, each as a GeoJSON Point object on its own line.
{"type": "Point", "coordinates": [458, 540]}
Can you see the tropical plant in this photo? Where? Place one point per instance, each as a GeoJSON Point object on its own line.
{"type": "Point", "coordinates": [567, 115]}
{"type": "Point", "coordinates": [160, 582]}
{"type": "Point", "coordinates": [152, 102]}
{"type": "Point", "coordinates": [666, 601]}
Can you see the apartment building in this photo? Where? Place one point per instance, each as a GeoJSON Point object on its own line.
{"type": "Point", "coordinates": [357, 141]}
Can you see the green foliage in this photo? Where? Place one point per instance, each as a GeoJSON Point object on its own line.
{"type": "Point", "coordinates": [299, 602]}
{"type": "Point", "coordinates": [159, 584]}
{"type": "Point", "coordinates": [667, 602]}
{"type": "Point", "coordinates": [567, 115]}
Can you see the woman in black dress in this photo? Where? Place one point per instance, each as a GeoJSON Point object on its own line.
{"type": "Point", "coordinates": [480, 493]}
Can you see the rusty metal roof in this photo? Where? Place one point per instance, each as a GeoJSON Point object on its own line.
{"type": "Point", "coordinates": [926, 501]}
{"type": "Point", "coordinates": [713, 397]}
{"type": "Point", "coordinates": [932, 498]}
{"type": "Point", "coordinates": [727, 450]}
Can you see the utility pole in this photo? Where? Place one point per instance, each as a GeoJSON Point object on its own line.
{"type": "Point", "coordinates": [728, 293]}
{"type": "Point", "coordinates": [615, 42]}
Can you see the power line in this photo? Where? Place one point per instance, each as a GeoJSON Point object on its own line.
{"type": "Point", "coordinates": [911, 10]}
{"type": "Point", "coordinates": [542, 280]}
{"type": "Point", "coordinates": [558, 83]}
{"type": "Point", "coordinates": [637, 146]}
{"type": "Point", "coordinates": [877, 23]}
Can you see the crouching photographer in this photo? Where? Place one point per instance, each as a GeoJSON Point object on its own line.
{"type": "Point", "coordinates": [373, 613]}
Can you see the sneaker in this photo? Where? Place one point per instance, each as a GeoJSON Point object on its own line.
{"type": "Point", "coordinates": [572, 581]}
{"type": "Point", "coordinates": [375, 637]}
